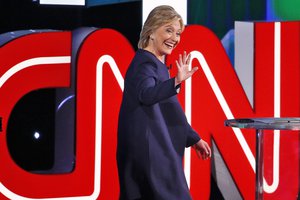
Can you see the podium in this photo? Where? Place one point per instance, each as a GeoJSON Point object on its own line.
{"type": "Point", "coordinates": [261, 124]}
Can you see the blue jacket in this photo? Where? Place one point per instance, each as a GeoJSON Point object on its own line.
{"type": "Point", "coordinates": [152, 134]}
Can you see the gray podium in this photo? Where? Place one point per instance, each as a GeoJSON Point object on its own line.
{"type": "Point", "coordinates": [260, 124]}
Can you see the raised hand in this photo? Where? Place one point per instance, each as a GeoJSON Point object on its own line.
{"type": "Point", "coordinates": [183, 71]}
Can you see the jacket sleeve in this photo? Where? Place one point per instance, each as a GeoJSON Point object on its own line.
{"type": "Point", "coordinates": [149, 89]}
{"type": "Point", "coordinates": [192, 137]}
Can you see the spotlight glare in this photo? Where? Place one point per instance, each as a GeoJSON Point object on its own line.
{"type": "Point", "coordinates": [36, 135]}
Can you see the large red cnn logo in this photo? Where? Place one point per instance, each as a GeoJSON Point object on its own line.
{"type": "Point", "coordinates": [216, 94]}
{"type": "Point", "coordinates": [211, 96]}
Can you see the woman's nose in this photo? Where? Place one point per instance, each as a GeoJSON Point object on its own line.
{"type": "Point", "coordinates": [175, 37]}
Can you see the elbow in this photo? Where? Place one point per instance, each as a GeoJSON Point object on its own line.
{"type": "Point", "coordinates": [146, 99]}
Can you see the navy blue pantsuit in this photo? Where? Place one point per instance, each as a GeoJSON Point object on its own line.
{"type": "Point", "coordinates": [152, 134]}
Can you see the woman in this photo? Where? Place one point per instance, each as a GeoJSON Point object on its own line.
{"type": "Point", "coordinates": [153, 131]}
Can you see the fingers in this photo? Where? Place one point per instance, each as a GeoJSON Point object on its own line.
{"type": "Point", "coordinates": [193, 70]}
{"type": "Point", "coordinates": [177, 64]}
{"type": "Point", "coordinates": [180, 60]}
{"type": "Point", "coordinates": [199, 154]}
{"type": "Point", "coordinates": [207, 150]}
{"type": "Point", "coordinates": [183, 59]}
{"type": "Point", "coordinates": [205, 155]}
{"type": "Point", "coordinates": [202, 150]}
{"type": "Point", "coordinates": [188, 59]}
{"type": "Point", "coordinates": [202, 154]}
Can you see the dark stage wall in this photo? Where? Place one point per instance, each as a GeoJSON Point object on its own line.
{"type": "Point", "coordinates": [26, 14]}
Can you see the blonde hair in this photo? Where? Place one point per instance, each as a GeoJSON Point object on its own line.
{"type": "Point", "coordinates": [158, 17]}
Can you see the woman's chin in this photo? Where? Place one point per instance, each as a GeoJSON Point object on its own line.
{"type": "Point", "coordinates": [168, 52]}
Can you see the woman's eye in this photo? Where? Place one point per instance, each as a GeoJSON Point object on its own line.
{"type": "Point", "coordinates": [169, 31]}
{"type": "Point", "coordinates": [178, 34]}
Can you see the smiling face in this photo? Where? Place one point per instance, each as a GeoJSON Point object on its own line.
{"type": "Point", "coordinates": [164, 39]}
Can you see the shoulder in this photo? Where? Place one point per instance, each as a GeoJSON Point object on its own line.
{"type": "Point", "coordinates": [144, 59]}
{"type": "Point", "coordinates": [144, 56]}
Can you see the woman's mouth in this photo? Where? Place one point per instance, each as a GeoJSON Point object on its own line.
{"type": "Point", "coordinates": [170, 45]}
